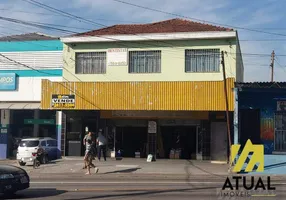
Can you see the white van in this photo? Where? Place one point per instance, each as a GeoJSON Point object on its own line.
{"type": "Point", "coordinates": [28, 148]}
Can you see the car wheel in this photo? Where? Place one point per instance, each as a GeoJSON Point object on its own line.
{"type": "Point", "coordinates": [22, 163]}
{"type": "Point", "coordinates": [45, 159]}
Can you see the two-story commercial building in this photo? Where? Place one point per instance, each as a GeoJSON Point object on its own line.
{"type": "Point", "coordinates": [24, 61]}
{"type": "Point", "coordinates": [153, 88]}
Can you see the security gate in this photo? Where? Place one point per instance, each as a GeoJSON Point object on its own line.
{"type": "Point", "coordinates": [280, 132]}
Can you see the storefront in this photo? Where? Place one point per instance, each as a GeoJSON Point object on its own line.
{"type": "Point", "coordinates": [21, 116]}
{"type": "Point", "coordinates": [262, 115]}
{"type": "Point", "coordinates": [169, 126]}
{"type": "Point", "coordinates": [168, 134]}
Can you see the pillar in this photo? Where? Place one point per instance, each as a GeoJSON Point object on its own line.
{"type": "Point", "coordinates": [59, 132]}
{"type": "Point", "coordinates": [235, 117]}
{"type": "Point", "coordinates": [36, 125]}
{"type": "Point", "coordinates": [4, 131]}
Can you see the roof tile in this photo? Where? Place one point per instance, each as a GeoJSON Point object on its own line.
{"type": "Point", "coordinates": [168, 26]}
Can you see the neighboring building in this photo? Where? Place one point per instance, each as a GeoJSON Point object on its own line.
{"type": "Point", "coordinates": [24, 61]}
{"type": "Point", "coordinates": [149, 85]}
{"type": "Point", "coordinates": [260, 115]}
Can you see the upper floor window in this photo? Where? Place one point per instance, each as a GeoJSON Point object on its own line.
{"type": "Point", "coordinates": [144, 61]}
{"type": "Point", "coordinates": [202, 60]}
{"type": "Point", "coordinates": [90, 63]}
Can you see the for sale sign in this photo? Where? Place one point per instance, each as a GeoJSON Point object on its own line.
{"type": "Point", "coordinates": [63, 101]}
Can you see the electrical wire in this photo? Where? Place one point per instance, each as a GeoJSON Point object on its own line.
{"type": "Point", "coordinates": [47, 73]}
{"type": "Point", "coordinates": [196, 19]}
{"type": "Point", "coordinates": [58, 15]}
{"type": "Point", "coordinates": [33, 2]}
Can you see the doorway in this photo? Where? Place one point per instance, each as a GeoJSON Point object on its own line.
{"type": "Point", "coordinates": [180, 137]}
{"type": "Point", "coordinates": [219, 141]}
{"type": "Point", "coordinates": [249, 126]}
{"type": "Point", "coordinates": [131, 140]}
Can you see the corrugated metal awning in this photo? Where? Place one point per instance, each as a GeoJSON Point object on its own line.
{"type": "Point", "coordinates": [20, 106]}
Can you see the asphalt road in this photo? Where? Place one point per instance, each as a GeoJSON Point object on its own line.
{"type": "Point", "coordinates": [151, 188]}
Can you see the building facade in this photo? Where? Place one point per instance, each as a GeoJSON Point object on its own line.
{"type": "Point", "coordinates": [24, 61]}
{"type": "Point", "coordinates": [260, 113]}
{"type": "Point", "coordinates": [153, 88]}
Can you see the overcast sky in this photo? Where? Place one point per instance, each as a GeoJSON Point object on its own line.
{"type": "Point", "coordinates": [261, 15]}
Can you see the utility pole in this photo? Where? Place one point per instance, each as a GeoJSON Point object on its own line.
{"type": "Point", "coordinates": [272, 65]}
{"type": "Point", "coordinates": [227, 106]}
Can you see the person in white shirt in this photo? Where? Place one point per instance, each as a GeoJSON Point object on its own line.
{"type": "Point", "coordinates": [101, 142]}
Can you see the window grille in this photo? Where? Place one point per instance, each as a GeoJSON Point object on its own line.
{"type": "Point", "coordinates": [202, 60]}
{"type": "Point", "coordinates": [91, 63]}
{"type": "Point", "coordinates": [145, 62]}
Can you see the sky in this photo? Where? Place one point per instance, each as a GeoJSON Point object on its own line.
{"type": "Point", "coordinates": [260, 23]}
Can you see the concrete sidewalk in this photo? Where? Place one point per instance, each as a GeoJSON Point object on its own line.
{"type": "Point", "coordinates": [73, 165]}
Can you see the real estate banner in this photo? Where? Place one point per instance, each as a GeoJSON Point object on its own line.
{"type": "Point", "coordinates": [63, 101]}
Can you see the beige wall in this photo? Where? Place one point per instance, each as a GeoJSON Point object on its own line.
{"type": "Point", "coordinates": [172, 58]}
{"type": "Point", "coordinates": [239, 64]}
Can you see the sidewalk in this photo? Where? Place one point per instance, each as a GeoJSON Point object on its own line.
{"type": "Point", "coordinates": [73, 165]}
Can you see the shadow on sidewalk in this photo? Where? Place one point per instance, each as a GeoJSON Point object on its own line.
{"type": "Point", "coordinates": [189, 173]}
{"type": "Point", "coordinates": [34, 193]}
{"type": "Point", "coordinates": [123, 171]}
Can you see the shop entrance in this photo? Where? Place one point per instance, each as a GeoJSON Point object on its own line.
{"type": "Point", "coordinates": [131, 140]}
{"type": "Point", "coordinates": [76, 124]}
{"type": "Point", "coordinates": [179, 137]}
{"type": "Point", "coordinates": [249, 126]}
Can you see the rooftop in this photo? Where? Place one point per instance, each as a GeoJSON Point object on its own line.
{"type": "Point", "coordinates": [28, 37]}
{"type": "Point", "coordinates": [168, 26]}
{"type": "Point", "coordinates": [260, 85]}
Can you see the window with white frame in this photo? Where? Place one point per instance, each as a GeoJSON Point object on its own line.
{"type": "Point", "coordinates": [145, 62]}
{"type": "Point", "coordinates": [90, 63]}
{"type": "Point", "coordinates": [280, 132]}
{"type": "Point", "coordinates": [202, 60]}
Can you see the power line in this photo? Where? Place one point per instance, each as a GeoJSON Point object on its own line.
{"type": "Point", "coordinates": [33, 2]}
{"type": "Point", "coordinates": [35, 25]}
{"type": "Point", "coordinates": [77, 17]}
{"type": "Point", "coordinates": [152, 45]}
{"type": "Point", "coordinates": [24, 65]}
{"type": "Point", "coordinates": [61, 12]}
{"type": "Point", "coordinates": [283, 67]}
{"type": "Point", "coordinates": [16, 62]}
{"type": "Point", "coordinates": [51, 14]}
{"type": "Point", "coordinates": [81, 19]}
{"type": "Point", "coordinates": [196, 19]}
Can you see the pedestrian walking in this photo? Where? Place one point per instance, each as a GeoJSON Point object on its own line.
{"type": "Point", "coordinates": [101, 141]}
{"type": "Point", "coordinates": [88, 147]}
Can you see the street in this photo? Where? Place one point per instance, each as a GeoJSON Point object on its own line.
{"type": "Point", "coordinates": [94, 187]}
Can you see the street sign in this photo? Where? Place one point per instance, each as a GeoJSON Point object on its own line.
{"type": "Point", "coordinates": [39, 121]}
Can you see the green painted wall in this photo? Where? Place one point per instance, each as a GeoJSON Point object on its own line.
{"type": "Point", "coordinates": [172, 58]}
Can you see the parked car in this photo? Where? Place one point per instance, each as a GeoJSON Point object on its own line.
{"type": "Point", "coordinates": [29, 147]}
{"type": "Point", "coordinates": [13, 179]}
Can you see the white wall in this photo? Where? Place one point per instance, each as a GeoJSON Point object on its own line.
{"type": "Point", "coordinates": [34, 59]}
{"type": "Point", "coordinates": [28, 89]}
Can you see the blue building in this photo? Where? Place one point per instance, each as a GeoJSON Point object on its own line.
{"type": "Point", "coordinates": [260, 115]}
{"type": "Point", "coordinates": [24, 61]}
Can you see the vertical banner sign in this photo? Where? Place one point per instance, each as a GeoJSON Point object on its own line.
{"type": "Point", "coordinates": [63, 101]}
{"type": "Point", "coordinates": [117, 57]}
{"type": "Point", "coordinates": [152, 127]}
